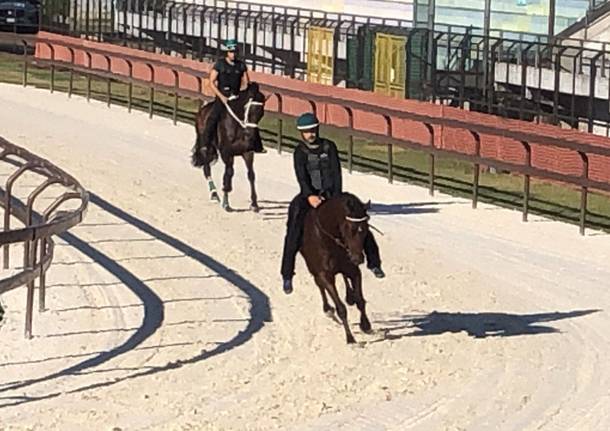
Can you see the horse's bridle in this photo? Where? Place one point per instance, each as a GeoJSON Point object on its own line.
{"type": "Point", "coordinates": [334, 238]}
{"type": "Point", "coordinates": [244, 123]}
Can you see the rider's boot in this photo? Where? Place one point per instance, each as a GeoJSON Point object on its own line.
{"type": "Point", "coordinates": [287, 286]}
{"type": "Point", "coordinates": [257, 146]}
{"type": "Point", "coordinates": [378, 272]}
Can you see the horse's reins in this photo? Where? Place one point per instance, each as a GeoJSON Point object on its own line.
{"type": "Point", "coordinates": [243, 123]}
{"type": "Point", "coordinates": [350, 219]}
{"type": "Point", "coordinates": [376, 230]}
{"type": "Point", "coordinates": [334, 238]}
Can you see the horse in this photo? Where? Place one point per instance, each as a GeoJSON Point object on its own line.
{"type": "Point", "coordinates": [236, 130]}
{"type": "Point", "coordinates": [333, 243]}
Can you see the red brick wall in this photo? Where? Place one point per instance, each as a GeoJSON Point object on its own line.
{"type": "Point", "coordinates": [496, 147]}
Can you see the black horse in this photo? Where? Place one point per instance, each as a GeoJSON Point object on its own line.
{"type": "Point", "coordinates": [237, 130]}
{"type": "Point", "coordinates": [333, 243]}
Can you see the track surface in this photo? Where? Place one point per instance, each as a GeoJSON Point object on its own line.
{"type": "Point", "coordinates": [166, 312]}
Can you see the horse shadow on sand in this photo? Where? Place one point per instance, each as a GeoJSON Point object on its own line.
{"type": "Point", "coordinates": [409, 208]}
{"type": "Point", "coordinates": [476, 325]}
{"type": "Point", "coordinates": [266, 208]}
{"type": "Point", "coordinates": [272, 210]}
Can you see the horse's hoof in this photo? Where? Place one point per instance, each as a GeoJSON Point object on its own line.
{"type": "Point", "coordinates": [349, 298]}
{"type": "Point", "coordinates": [254, 208]}
{"type": "Point", "coordinates": [366, 327]}
{"type": "Point", "coordinates": [350, 339]}
{"type": "Point", "coordinates": [330, 312]}
{"type": "Point", "coordinates": [227, 208]}
{"type": "Point", "coordinates": [214, 197]}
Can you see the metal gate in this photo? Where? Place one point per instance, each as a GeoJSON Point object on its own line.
{"type": "Point", "coordinates": [320, 55]}
{"type": "Point", "coordinates": [390, 64]}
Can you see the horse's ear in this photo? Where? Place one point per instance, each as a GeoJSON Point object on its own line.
{"type": "Point", "coordinates": [367, 206]}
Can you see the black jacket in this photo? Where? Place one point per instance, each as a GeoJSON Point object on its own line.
{"type": "Point", "coordinates": [229, 76]}
{"type": "Point", "coordinates": [318, 168]}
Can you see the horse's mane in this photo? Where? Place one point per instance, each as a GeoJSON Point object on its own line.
{"type": "Point", "coordinates": [354, 206]}
{"type": "Point", "coordinates": [252, 91]}
{"type": "Point", "coordinates": [253, 88]}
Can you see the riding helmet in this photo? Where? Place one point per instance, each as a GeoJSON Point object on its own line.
{"type": "Point", "coordinates": [230, 45]}
{"type": "Point", "coordinates": [307, 121]}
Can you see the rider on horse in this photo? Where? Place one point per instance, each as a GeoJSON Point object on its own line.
{"type": "Point", "coordinates": [228, 77]}
{"type": "Point", "coordinates": [318, 171]}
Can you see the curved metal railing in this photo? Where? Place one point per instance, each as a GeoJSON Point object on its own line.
{"type": "Point", "coordinates": [38, 229]}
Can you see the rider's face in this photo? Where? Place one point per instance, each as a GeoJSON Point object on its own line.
{"type": "Point", "coordinates": [231, 55]}
{"type": "Point", "coordinates": [310, 135]}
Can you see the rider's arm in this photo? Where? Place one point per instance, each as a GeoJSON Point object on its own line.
{"type": "Point", "coordinates": [300, 168]}
{"type": "Point", "coordinates": [335, 164]}
{"type": "Point", "coordinates": [245, 78]}
{"type": "Point", "coordinates": [214, 85]}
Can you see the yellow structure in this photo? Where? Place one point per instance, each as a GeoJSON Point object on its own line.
{"type": "Point", "coordinates": [390, 64]}
{"type": "Point", "coordinates": [320, 58]}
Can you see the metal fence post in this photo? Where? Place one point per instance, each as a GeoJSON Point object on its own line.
{"type": "Point", "coordinates": [584, 192]}
{"type": "Point", "coordinates": [431, 158]}
{"type": "Point", "coordinates": [280, 123]}
{"type": "Point", "coordinates": [389, 133]}
{"type": "Point", "coordinates": [25, 63]}
{"type": "Point", "coordinates": [477, 169]}
{"type": "Point", "coordinates": [350, 144]}
{"type": "Point", "coordinates": [526, 179]}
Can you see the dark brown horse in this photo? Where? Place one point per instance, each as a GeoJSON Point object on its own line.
{"type": "Point", "coordinates": [333, 243]}
{"type": "Point", "coordinates": [237, 129]}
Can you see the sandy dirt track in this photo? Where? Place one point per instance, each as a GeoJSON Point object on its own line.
{"type": "Point", "coordinates": [167, 313]}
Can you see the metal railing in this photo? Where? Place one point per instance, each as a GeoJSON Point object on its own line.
{"type": "Point", "coordinates": [38, 229]}
{"type": "Point", "coordinates": [567, 81]}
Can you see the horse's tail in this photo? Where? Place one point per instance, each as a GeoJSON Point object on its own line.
{"type": "Point", "coordinates": [203, 153]}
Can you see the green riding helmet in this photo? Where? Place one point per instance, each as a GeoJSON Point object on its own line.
{"type": "Point", "coordinates": [307, 121]}
{"type": "Point", "coordinates": [230, 45]}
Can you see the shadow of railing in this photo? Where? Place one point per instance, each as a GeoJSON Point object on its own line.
{"type": "Point", "coordinates": [260, 311]}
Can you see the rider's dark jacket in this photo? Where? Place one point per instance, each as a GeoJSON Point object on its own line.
{"type": "Point", "coordinates": [229, 76]}
{"type": "Point", "coordinates": [318, 168]}
{"type": "Point", "coordinates": [229, 84]}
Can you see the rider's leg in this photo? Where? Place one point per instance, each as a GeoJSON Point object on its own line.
{"type": "Point", "coordinates": [292, 242]}
{"type": "Point", "coordinates": [257, 142]}
{"type": "Point", "coordinates": [373, 260]}
{"type": "Point", "coordinates": [212, 121]}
